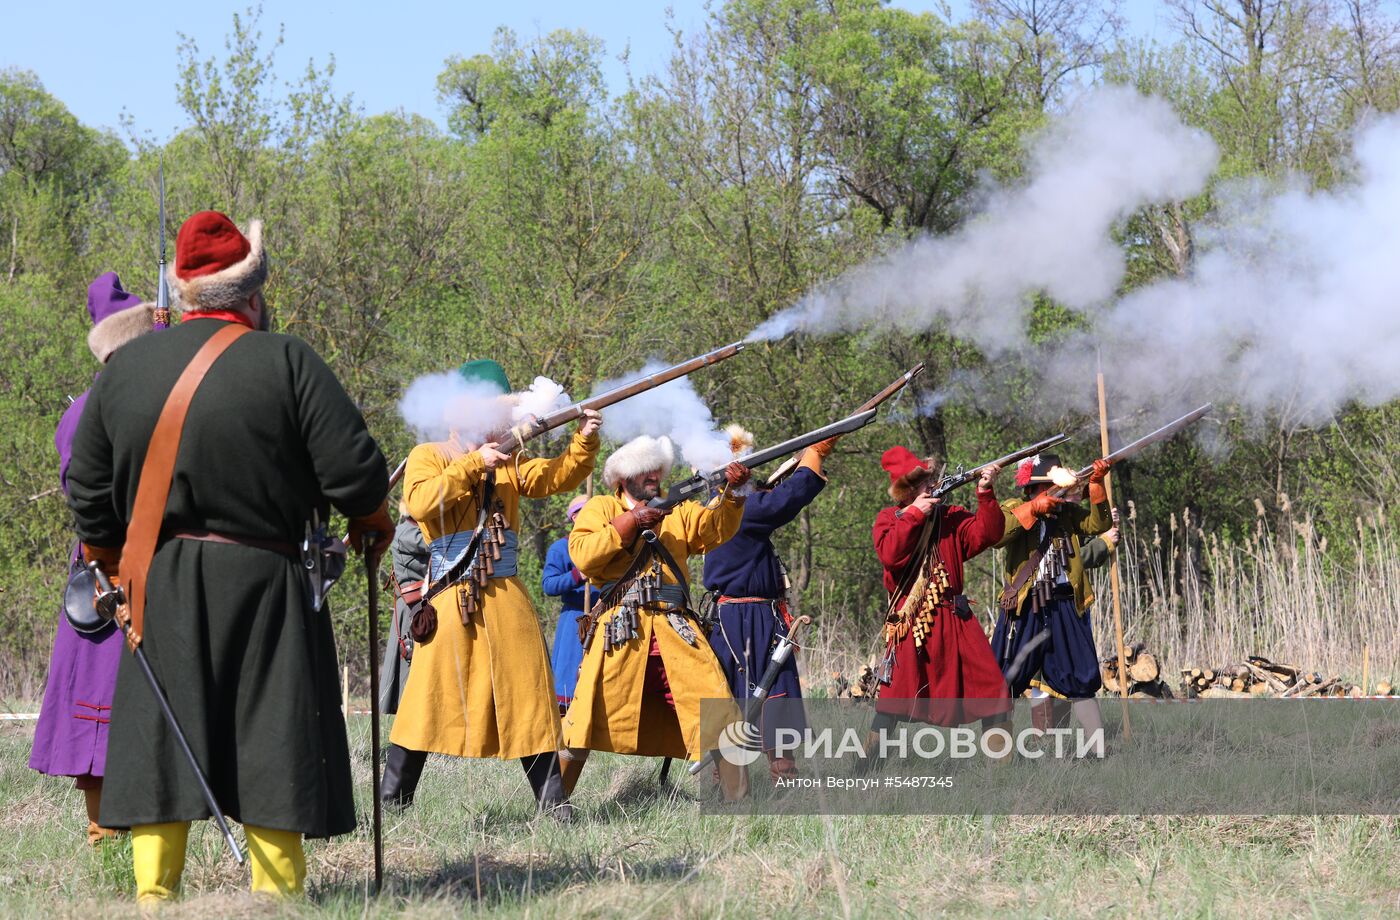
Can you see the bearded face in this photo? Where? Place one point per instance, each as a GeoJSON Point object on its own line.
{"type": "Point", "coordinates": [644, 486]}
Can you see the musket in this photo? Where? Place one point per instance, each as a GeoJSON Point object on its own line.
{"type": "Point", "coordinates": [704, 483]}
{"type": "Point", "coordinates": [534, 426]}
{"type": "Point", "coordinates": [754, 707]}
{"type": "Point", "coordinates": [873, 402]}
{"type": "Point", "coordinates": [162, 315]}
{"type": "Point", "coordinates": [963, 477]}
{"type": "Point", "coordinates": [1123, 453]}
{"type": "Point", "coordinates": [109, 598]}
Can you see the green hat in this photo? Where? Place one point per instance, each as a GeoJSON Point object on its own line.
{"type": "Point", "coordinates": [484, 370]}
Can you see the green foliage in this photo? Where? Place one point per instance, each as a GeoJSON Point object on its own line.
{"type": "Point", "coordinates": [568, 233]}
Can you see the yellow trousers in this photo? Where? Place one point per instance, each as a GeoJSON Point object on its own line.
{"type": "Point", "coordinates": [158, 860]}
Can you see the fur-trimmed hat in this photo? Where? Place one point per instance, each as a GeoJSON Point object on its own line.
{"type": "Point", "coordinates": [217, 267]}
{"type": "Point", "coordinates": [908, 473]}
{"type": "Point", "coordinates": [117, 316]}
{"type": "Point", "coordinates": [1043, 468]}
{"type": "Point", "coordinates": [637, 456]}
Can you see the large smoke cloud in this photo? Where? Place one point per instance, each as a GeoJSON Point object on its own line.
{"type": "Point", "coordinates": [1113, 153]}
{"type": "Point", "coordinates": [673, 409]}
{"type": "Point", "coordinates": [1288, 307]}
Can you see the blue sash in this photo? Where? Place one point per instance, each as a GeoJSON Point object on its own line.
{"type": "Point", "coordinates": [444, 551]}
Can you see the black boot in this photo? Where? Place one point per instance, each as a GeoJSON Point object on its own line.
{"type": "Point", "coordinates": [542, 770]}
{"type": "Point", "coordinates": [402, 770]}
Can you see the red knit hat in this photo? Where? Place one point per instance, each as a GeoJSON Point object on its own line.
{"type": "Point", "coordinates": [907, 473]}
{"type": "Point", "coordinates": [216, 267]}
{"type": "Point", "coordinates": [900, 462]}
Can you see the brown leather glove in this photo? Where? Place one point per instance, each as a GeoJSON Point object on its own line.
{"type": "Point", "coordinates": [380, 524]}
{"type": "Point", "coordinates": [736, 474]}
{"type": "Point", "coordinates": [1029, 512]}
{"type": "Point", "coordinates": [1097, 493]}
{"type": "Point", "coordinates": [824, 448]}
{"type": "Point", "coordinates": [629, 524]}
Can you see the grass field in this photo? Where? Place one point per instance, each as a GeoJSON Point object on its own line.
{"type": "Point", "coordinates": [472, 845]}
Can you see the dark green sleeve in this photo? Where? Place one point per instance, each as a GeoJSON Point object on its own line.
{"type": "Point", "coordinates": [90, 478]}
{"type": "Point", "coordinates": [348, 464]}
{"type": "Point", "coordinates": [1095, 553]}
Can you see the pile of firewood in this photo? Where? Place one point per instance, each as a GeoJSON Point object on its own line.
{"type": "Point", "coordinates": [1258, 676]}
{"type": "Point", "coordinates": [1144, 674]}
{"type": "Point", "coordinates": [863, 687]}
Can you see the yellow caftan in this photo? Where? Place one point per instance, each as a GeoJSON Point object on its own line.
{"type": "Point", "coordinates": [483, 689]}
{"type": "Point", "coordinates": [610, 711]}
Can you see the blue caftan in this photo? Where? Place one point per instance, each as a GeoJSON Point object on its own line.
{"type": "Point", "coordinates": [747, 570]}
{"type": "Point", "coordinates": [562, 580]}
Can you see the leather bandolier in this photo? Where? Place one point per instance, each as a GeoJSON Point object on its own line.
{"type": "Point", "coordinates": [928, 584]}
{"type": "Point", "coordinates": [642, 588]}
{"type": "Point", "coordinates": [483, 564]}
{"type": "Point", "coordinates": [1046, 565]}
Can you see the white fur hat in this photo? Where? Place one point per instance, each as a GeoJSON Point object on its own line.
{"type": "Point", "coordinates": [637, 456]}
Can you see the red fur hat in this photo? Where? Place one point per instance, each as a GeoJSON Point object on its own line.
{"type": "Point", "coordinates": [217, 267]}
{"type": "Point", "coordinates": [907, 473]}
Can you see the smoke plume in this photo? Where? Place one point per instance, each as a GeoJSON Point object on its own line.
{"type": "Point", "coordinates": [435, 405]}
{"type": "Point", "coordinates": [1113, 153]}
{"type": "Point", "coordinates": [673, 409]}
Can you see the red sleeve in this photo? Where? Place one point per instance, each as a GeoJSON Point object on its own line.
{"type": "Point", "coordinates": [982, 530]}
{"type": "Point", "coordinates": [896, 537]}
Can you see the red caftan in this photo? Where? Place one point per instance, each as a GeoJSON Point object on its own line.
{"type": "Point", "coordinates": [953, 678]}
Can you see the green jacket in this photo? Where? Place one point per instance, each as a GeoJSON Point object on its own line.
{"type": "Point", "coordinates": [1079, 522]}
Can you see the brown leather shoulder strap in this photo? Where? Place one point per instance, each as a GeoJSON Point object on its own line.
{"type": "Point", "coordinates": [153, 489]}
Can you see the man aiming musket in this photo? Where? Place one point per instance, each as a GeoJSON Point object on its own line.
{"type": "Point", "coordinates": [646, 662]}
{"type": "Point", "coordinates": [481, 684]}
{"type": "Point", "coordinates": [751, 589]}
{"type": "Point", "coordinates": [1044, 638]}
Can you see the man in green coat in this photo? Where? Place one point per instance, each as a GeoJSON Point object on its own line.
{"type": "Point", "coordinates": [1043, 638]}
{"type": "Point", "coordinates": [271, 440]}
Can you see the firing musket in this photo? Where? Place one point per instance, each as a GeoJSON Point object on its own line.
{"type": "Point", "coordinates": [1123, 453]}
{"type": "Point", "coordinates": [162, 314]}
{"type": "Point", "coordinates": [963, 477]}
{"type": "Point", "coordinates": [702, 484]}
{"type": "Point", "coordinates": [872, 403]}
{"type": "Point", "coordinates": [534, 426]}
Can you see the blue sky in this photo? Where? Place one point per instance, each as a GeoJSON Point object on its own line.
{"type": "Point", "coordinates": [101, 58]}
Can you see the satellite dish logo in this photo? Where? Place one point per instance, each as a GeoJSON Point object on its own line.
{"type": "Point", "coordinates": [739, 743]}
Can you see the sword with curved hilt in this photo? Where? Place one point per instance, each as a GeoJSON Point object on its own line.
{"type": "Point", "coordinates": [109, 598]}
{"type": "Point", "coordinates": [754, 707]}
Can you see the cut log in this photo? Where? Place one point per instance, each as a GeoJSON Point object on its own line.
{"type": "Point", "coordinates": [1384, 688]}
{"type": "Point", "coordinates": [1144, 668]}
{"type": "Point", "coordinates": [1237, 685]}
{"type": "Point", "coordinates": [1267, 678]}
{"type": "Point", "coordinates": [1220, 693]}
{"type": "Point", "coordinates": [1258, 688]}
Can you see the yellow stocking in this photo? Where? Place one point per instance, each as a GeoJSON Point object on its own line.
{"type": "Point", "coordinates": [158, 859]}
{"type": "Point", "coordinates": [279, 865]}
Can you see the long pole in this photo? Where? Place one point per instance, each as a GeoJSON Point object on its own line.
{"type": "Point", "coordinates": [372, 574]}
{"type": "Point", "coordinates": [1113, 566]}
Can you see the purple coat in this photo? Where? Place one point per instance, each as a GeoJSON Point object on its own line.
{"type": "Point", "coordinates": [71, 737]}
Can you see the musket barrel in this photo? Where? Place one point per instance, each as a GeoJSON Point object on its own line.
{"type": "Point", "coordinates": [1161, 434]}
{"type": "Point", "coordinates": [893, 388]}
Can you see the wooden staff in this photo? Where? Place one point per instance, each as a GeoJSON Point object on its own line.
{"type": "Point", "coordinates": [1366, 669]}
{"type": "Point", "coordinates": [1113, 566]}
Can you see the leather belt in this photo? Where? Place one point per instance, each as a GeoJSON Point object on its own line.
{"type": "Point", "coordinates": [726, 599]}
{"type": "Point", "coordinates": [208, 536]}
